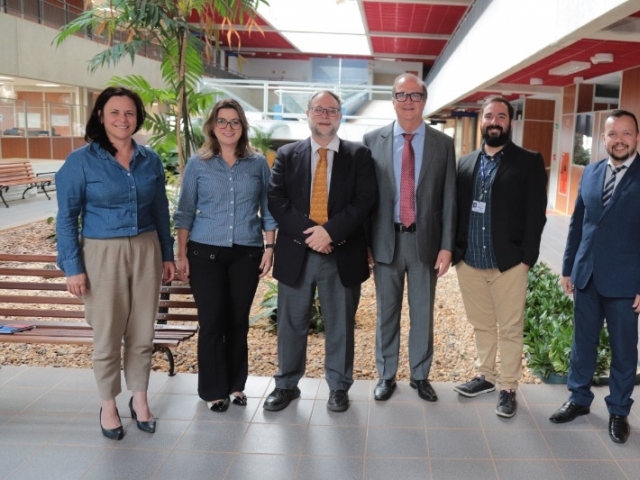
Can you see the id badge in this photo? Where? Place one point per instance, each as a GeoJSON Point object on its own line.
{"type": "Point", "coordinates": [478, 206]}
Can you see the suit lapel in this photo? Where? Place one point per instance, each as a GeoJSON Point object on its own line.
{"type": "Point", "coordinates": [626, 180]}
{"type": "Point", "coordinates": [338, 174]}
{"type": "Point", "coordinates": [386, 145]}
{"type": "Point", "coordinates": [301, 164]}
{"type": "Point", "coordinates": [428, 152]}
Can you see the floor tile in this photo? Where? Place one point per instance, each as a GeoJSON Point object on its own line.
{"type": "Point", "coordinates": [335, 441]}
{"type": "Point", "coordinates": [212, 436]}
{"type": "Point", "coordinates": [16, 399]}
{"type": "Point", "coordinates": [66, 402]}
{"type": "Point", "coordinates": [580, 470]}
{"type": "Point", "coordinates": [459, 469]}
{"type": "Point", "coordinates": [274, 439]}
{"type": "Point", "coordinates": [175, 406]}
{"type": "Point", "coordinates": [32, 429]}
{"type": "Point", "coordinates": [541, 414]}
{"type": "Point", "coordinates": [298, 412]}
{"type": "Point", "coordinates": [356, 415]}
{"type": "Point", "coordinates": [13, 456]}
{"type": "Point", "coordinates": [625, 451]}
{"type": "Point", "coordinates": [126, 463]}
{"type": "Point", "coordinates": [235, 413]}
{"type": "Point", "coordinates": [45, 463]}
{"type": "Point", "coordinates": [396, 442]}
{"type": "Point", "coordinates": [322, 468]}
{"type": "Point", "coordinates": [573, 445]}
{"type": "Point", "coordinates": [360, 391]}
{"type": "Point", "coordinates": [448, 415]}
{"type": "Point", "coordinates": [377, 468]}
{"type": "Point", "coordinates": [185, 383]}
{"type": "Point", "coordinates": [522, 419]}
{"type": "Point", "coordinates": [517, 444]}
{"type": "Point", "coordinates": [196, 465]}
{"type": "Point", "coordinates": [463, 444]}
{"type": "Point", "coordinates": [385, 414]}
{"type": "Point", "coordinates": [263, 467]}
{"type": "Point", "coordinates": [631, 468]}
{"type": "Point", "coordinates": [552, 395]}
{"type": "Point", "coordinates": [527, 470]}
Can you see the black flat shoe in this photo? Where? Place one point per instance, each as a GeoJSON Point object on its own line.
{"type": "Point", "coordinates": [239, 400]}
{"type": "Point", "coordinates": [219, 406]}
{"type": "Point", "coordinates": [568, 412]}
{"type": "Point", "coordinates": [280, 398]}
{"type": "Point", "coordinates": [619, 429]}
{"type": "Point", "coordinates": [425, 390]}
{"type": "Point", "coordinates": [113, 434]}
{"type": "Point", "coordinates": [384, 389]}
{"type": "Point", "coordinates": [149, 426]}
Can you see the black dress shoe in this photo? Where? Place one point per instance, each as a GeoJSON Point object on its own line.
{"type": "Point", "coordinates": [219, 406]}
{"type": "Point", "coordinates": [384, 389]}
{"type": "Point", "coordinates": [280, 399]}
{"type": "Point", "coordinates": [425, 390]}
{"type": "Point", "coordinates": [338, 400]}
{"type": "Point", "coordinates": [568, 412]}
{"type": "Point", "coordinates": [148, 426]}
{"type": "Point", "coordinates": [114, 433]}
{"type": "Point", "coordinates": [239, 400]}
{"type": "Point", "coordinates": [619, 428]}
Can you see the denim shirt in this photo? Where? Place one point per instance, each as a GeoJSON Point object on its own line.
{"type": "Point", "coordinates": [110, 200]}
{"type": "Point", "coordinates": [222, 205]}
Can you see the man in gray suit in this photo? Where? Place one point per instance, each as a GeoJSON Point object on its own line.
{"type": "Point", "coordinates": [412, 232]}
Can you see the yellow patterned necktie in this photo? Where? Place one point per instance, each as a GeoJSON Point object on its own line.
{"type": "Point", "coordinates": [318, 210]}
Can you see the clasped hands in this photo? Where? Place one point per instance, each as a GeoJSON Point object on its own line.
{"type": "Point", "coordinates": [318, 239]}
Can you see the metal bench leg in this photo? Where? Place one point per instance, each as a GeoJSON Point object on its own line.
{"type": "Point", "coordinates": [4, 189]}
{"type": "Point", "coordinates": [169, 354]}
{"type": "Point", "coordinates": [42, 185]}
{"type": "Point", "coordinates": [27, 189]}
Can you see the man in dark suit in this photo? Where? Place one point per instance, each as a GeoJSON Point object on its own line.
{"type": "Point", "coordinates": [321, 193]}
{"type": "Point", "coordinates": [502, 203]}
{"type": "Point", "coordinates": [601, 268]}
{"type": "Point", "coordinates": [412, 232]}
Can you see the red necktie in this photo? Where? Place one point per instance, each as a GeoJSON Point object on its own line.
{"type": "Point", "coordinates": [407, 183]}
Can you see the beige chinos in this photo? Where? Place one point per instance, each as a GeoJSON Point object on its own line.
{"type": "Point", "coordinates": [123, 278]}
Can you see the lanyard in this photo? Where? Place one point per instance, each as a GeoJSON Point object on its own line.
{"type": "Point", "coordinates": [485, 175]}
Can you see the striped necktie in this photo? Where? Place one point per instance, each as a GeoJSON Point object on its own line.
{"type": "Point", "coordinates": [607, 193]}
{"type": "Point", "coordinates": [318, 208]}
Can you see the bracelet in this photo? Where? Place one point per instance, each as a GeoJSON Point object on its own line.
{"type": "Point", "coordinates": [269, 245]}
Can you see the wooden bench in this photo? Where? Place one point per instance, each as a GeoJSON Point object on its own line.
{"type": "Point", "coordinates": [49, 292]}
{"type": "Point", "coordinates": [14, 174]}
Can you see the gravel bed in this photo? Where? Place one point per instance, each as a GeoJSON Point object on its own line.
{"type": "Point", "coordinates": [454, 346]}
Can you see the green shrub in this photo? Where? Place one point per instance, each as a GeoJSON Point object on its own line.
{"type": "Point", "coordinates": [548, 326]}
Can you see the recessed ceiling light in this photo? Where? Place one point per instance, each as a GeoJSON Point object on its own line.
{"type": "Point", "coordinates": [6, 78]}
{"type": "Point", "coordinates": [535, 81]}
{"type": "Point", "coordinates": [569, 68]}
{"type": "Point", "coordinates": [47, 85]}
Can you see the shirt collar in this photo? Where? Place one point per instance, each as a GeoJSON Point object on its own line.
{"type": "Point", "coordinates": [334, 145]}
{"type": "Point", "coordinates": [421, 130]}
{"type": "Point", "coordinates": [627, 163]}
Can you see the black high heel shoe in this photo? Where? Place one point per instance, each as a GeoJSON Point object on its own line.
{"type": "Point", "coordinates": [115, 433]}
{"type": "Point", "coordinates": [149, 426]}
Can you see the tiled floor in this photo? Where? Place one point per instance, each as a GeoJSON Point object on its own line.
{"type": "Point", "coordinates": [49, 429]}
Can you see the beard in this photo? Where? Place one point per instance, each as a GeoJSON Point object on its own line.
{"type": "Point", "coordinates": [620, 157]}
{"type": "Point", "coordinates": [494, 140]}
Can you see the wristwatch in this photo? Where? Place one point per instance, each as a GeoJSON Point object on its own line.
{"type": "Point", "coordinates": [269, 245]}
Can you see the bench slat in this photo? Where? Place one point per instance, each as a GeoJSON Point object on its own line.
{"type": "Point", "coordinates": [40, 300]}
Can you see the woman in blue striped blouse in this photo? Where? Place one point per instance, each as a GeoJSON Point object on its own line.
{"type": "Point", "coordinates": [221, 217]}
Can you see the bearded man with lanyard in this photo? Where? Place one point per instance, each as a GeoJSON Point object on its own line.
{"type": "Point", "coordinates": [502, 202]}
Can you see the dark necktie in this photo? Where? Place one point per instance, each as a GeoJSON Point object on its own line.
{"type": "Point", "coordinates": [318, 210]}
{"type": "Point", "coordinates": [407, 183]}
{"type": "Point", "coordinates": [607, 193]}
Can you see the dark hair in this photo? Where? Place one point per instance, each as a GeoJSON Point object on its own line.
{"type": "Point", "coordinates": [617, 113]}
{"type": "Point", "coordinates": [406, 76]}
{"type": "Point", "coordinates": [211, 145]}
{"type": "Point", "coordinates": [498, 99]}
{"type": "Point", "coordinates": [328, 92]}
{"type": "Point", "coordinates": [95, 132]}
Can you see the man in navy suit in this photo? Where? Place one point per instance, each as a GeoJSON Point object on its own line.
{"type": "Point", "coordinates": [601, 268]}
{"type": "Point", "coordinates": [321, 243]}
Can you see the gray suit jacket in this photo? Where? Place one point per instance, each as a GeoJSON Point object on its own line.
{"type": "Point", "coordinates": [435, 196]}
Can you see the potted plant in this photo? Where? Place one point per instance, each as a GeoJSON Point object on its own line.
{"type": "Point", "coordinates": [261, 141]}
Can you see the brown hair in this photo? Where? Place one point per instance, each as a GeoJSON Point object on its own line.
{"type": "Point", "coordinates": [211, 145]}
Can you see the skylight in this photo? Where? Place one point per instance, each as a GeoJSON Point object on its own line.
{"type": "Point", "coordinates": [332, 27]}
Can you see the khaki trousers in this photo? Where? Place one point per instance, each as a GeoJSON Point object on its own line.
{"type": "Point", "coordinates": [124, 276]}
{"type": "Point", "coordinates": [495, 303]}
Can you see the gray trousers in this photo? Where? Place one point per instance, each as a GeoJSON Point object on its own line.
{"type": "Point", "coordinates": [389, 281]}
{"type": "Point", "coordinates": [338, 304]}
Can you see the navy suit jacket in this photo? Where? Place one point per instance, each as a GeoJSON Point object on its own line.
{"type": "Point", "coordinates": [604, 243]}
{"type": "Point", "coordinates": [352, 193]}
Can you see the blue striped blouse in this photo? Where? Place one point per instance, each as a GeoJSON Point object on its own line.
{"type": "Point", "coordinates": [222, 205]}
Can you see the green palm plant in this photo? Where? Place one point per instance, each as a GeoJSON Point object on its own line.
{"type": "Point", "coordinates": [165, 24]}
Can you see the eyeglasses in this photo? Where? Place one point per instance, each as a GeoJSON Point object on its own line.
{"type": "Point", "coordinates": [222, 123]}
{"type": "Point", "coordinates": [319, 111]}
{"type": "Point", "coordinates": [414, 96]}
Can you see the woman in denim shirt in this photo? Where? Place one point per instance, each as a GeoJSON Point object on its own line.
{"type": "Point", "coordinates": [221, 217]}
{"type": "Point", "coordinates": [125, 249]}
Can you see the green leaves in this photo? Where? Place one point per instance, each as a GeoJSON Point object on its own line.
{"type": "Point", "coordinates": [548, 326]}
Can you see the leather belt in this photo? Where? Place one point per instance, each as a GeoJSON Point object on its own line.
{"type": "Point", "coordinates": [402, 229]}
